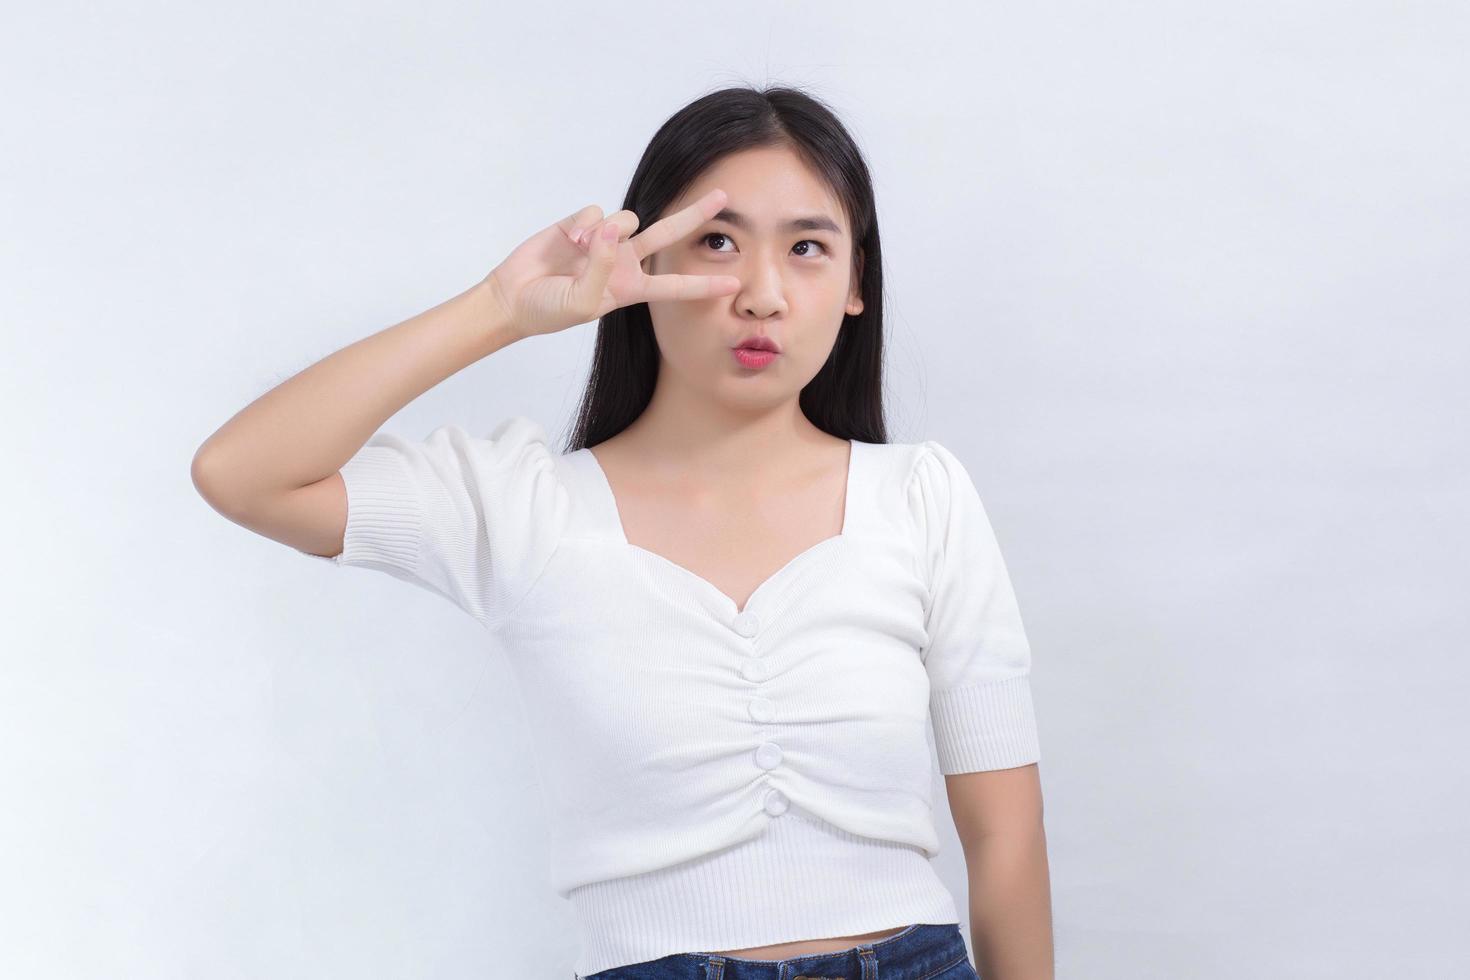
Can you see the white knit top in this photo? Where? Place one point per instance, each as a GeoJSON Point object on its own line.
{"type": "Point", "coordinates": [717, 777]}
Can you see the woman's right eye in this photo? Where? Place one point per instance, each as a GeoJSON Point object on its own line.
{"type": "Point", "coordinates": [714, 234]}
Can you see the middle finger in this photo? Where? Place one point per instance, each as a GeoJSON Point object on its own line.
{"type": "Point", "coordinates": [668, 230]}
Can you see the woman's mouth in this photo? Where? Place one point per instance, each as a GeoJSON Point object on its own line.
{"type": "Point", "coordinates": [752, 357]}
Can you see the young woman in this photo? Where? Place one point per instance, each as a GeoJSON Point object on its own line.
{"type": "Point", "coordinates": [733, 607]}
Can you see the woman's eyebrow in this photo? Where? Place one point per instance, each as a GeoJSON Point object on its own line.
{"type": "Point", "coordinates": [816, 222]}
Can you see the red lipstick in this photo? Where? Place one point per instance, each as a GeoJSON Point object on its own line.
{"type": "Point", "coordinates": [756, 351]}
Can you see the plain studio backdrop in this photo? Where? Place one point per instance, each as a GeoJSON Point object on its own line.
{"type": "Point", "coordinates": [1185, 288]}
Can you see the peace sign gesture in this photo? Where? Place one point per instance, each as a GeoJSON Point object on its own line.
{"type": "Point", "coordinates": [581, 268]}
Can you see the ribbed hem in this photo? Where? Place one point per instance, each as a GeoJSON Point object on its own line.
{"type": "Point", "coordinates": [985, 726]}
{"type": "Point", "coordinates": [802, 878]}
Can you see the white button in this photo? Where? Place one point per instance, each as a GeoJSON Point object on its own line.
{"type": "Point", "coordinates": [747, 623]}
{"type": "Point", "coordinates": [753, 670]}
{"type": "Point", "coordinates": [761, 709]}
{"type": "Point", "coordinates": [776, 802]}
{"type": "Point", "coordinates": [768, 755]}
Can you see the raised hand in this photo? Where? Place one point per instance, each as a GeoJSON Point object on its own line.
{"type": "Point", "coordinates": [582, 268]}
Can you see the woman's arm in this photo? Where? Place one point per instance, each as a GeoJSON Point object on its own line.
{"type": "Point", "coordinates": [304, 430]}
{"type": "Point", "coordinates": [576, 269]}
{"type": "Point", "coordinates": [998, 815]}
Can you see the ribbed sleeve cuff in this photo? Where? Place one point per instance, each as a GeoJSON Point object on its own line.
{"type": "Point", "coordinates": [384, 512]}
{"type": "Point", "coordinates": [985, 726]}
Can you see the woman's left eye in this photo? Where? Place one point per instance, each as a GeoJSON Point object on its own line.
{"type": "Point", "coordinates": [804, 241]}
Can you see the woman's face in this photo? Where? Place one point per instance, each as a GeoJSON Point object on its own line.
{"type": "Point", "coordinates": [796, 283]}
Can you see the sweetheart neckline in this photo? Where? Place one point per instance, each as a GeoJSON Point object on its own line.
{"type": "Point", "coordinates": [622, 535]}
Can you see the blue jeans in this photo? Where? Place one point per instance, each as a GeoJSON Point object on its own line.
{"type": "Point", "coordinates": [924, 951]}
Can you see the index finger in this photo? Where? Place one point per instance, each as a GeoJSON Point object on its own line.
{"type": "Point", "coordinates": [668, 230]}
{"type": "Point", "coordinates": [674, 286]}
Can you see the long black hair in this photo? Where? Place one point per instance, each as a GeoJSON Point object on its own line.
{"type": "Point", "coordinates": [845, 398]}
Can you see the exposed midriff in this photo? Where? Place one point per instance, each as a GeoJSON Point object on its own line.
{"type": "Point", "coordinates": [782, 951]}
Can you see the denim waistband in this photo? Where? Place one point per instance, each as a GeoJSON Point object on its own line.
{"type": "Point", "coordinates": [923, 951]}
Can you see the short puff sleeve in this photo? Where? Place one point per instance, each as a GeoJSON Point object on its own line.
{"type": "Point", "coordinates": [472, 519]}
{"type": "Point", "coordinates": [976, 655]}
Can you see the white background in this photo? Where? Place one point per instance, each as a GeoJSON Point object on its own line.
{"type": "Point", "coordinates": [1183, 285]}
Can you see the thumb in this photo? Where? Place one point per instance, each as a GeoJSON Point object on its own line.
{"type": "Point", "coordinates": [603, 252]}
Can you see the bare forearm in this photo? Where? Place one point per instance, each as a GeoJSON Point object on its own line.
{"type": "Point", "coordinates": [1010, 907]}
{"type": "Point", "coordinates": [307, 427]}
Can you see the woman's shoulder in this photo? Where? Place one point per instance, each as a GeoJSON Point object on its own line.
{"type": "Point", "coordinates": [921, 459]}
